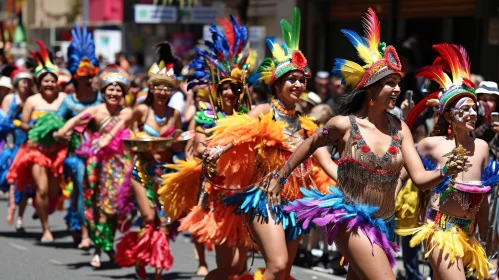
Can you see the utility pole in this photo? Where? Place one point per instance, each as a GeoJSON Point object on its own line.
{"type": "Point", "coordinates": [85, 11]}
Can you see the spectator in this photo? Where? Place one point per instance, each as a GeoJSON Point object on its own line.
{"type": "Point", "coordinates": [321, 83]}
{"type": "Point", "coordinates": [259, 94]}
{"type": "Point", "coordinates": [5, 87]}
{"type": "Point", "coordinates": [488, 96]}
{"type": "Point", "coordinates": [135, 65]}
{"type": "Point", "coordinates": [322, 113]}
{"type": "Point", "coordinates": [336, 88]}
{"type": "Point", "coordinates": [308, 100]}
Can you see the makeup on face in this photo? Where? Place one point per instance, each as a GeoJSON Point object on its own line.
{"type": "Point", "coordinates": [464, 108]}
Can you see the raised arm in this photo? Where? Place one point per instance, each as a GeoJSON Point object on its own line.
{"type": "Point", "coordinates": [68, 126]}
{"type": "Point", "coordinates": [420, 177]}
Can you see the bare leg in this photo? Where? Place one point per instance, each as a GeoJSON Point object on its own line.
{"type": "Point", "coordinates": [12, 206]}
{"type": "Point", "coordinates": [40, 177]}
{"type": "Point", "coordinates": [85, 239]}
{"type": "Point", "coordinates": [272, 243]}
{"type": "Point", "coordinates": [147, 213]}
{"type": "Point", "coordinates": [443, 269]}
{"type": "Point", "coordinates": [230, 261]}
{"type": "Point", "coordinates": [22, 207]}
{"type": "Point", "coordinates": [292, 249]}
{"type": "Point", "coordinates": [199, 252]}
{"type": "Point", "coordinates": [357, 249]}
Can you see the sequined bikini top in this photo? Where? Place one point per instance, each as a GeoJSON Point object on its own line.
{"type": "Point", "coordinates": [366, 177]}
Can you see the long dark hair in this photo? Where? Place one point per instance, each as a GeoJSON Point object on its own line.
{"type": "Point", "coordinates": [350, 102]}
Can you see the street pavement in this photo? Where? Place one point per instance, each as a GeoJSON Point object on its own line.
{"type": "Point", "coordinates": [23, 257]}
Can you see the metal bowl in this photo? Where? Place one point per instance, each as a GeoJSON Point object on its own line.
{"type": "Point", "coordinates": [148, 144]}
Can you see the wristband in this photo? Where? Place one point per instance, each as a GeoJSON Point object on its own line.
{"type": "Point", "coordinates": [17, 123]}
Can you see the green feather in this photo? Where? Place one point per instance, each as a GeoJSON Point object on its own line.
{"type": "Point", "coordinates": [295, 37]}
{"type": "Point", "coordinates": [286, 32]}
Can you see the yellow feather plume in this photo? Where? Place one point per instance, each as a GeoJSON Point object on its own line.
{"type": "Point", "coordinates": [180, 189]}
{"type": "Point", "coordinates": [352, 73]}
{"type": "Point", "coordinates": [277, 51]}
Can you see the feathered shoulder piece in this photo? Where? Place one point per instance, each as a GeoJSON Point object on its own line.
{"type": "Point", "coordinates": [285, 56]}
{"type": "Point", "coordinates": [44, 65]}
{"type": "Point", "coordinates": [379, 60]}
{"type": "Point", "coordinates": [452, 59]}
{"type": "Point", "coordinates": [490, 173]}
{"type": "Point", "coordinates": [81, 53]}
{"type": "Point", "coordinates": [224, 58]}
{"type": "Point", "coordinates": [164, 71]}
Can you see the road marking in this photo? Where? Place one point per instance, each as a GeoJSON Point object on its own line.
{"type": "Point", "coordinates": [18, 247]}
{"type": "Point", "coordinates": [55, 262]}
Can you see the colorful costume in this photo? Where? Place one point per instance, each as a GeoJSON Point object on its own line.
{"type": "Point", "coordinates": [150, 246]}
{"type": "Point", "coordinates": [81, 62]}
{"type": "Point", "coordinates": [450, 234]}
{"type": "Point", "coordinates": [225, 60]}
{"type": "Point", "coordinates": [41, 148]}
{"type": "Point", "coordinates": [364, 197]}
{"type": "Point", "coordinates": [107, 170]}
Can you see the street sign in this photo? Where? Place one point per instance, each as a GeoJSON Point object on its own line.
{"type": "Point", "coordinates": [155, 14]}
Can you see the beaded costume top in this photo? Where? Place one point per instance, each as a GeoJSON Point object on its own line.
{"type": "Point", "coordinates": [365, 177]}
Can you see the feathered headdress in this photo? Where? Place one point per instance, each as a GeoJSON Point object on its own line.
{"type": "Point", "coordinates": [165, 70]}
{"type": "Point", "coordinates": [114, 75]}
{"type": "Point", "coordinates": [379, 60]}
{"type": "Point", "coordinates": [452, 59]}
{"type": "Point", "coordinates": [43, 60]}
{"type": "Point", "coordinates": [285, 56]}
{"type": "Point", "coordinates": [223, 59]}
{"type": "Point", "coordinates": [19, 74]}
{"type": "Point", "coordinates": [81, 53]}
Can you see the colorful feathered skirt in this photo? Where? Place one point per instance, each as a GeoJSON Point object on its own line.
{"type": "Point", "coordinates": [214, 222]}
{"type": "Point", "coordinates": [50, 157]}
{"type": "Point", "coordinates": [148, 246]}
{"type": "Point", "coordinates": [331, 212]}
{"type": "Point", "coordinates": [453, 236]}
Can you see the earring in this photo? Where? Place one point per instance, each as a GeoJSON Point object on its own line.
{"type": "Point", "coordinates": [449, 130]}
{"type": "Point", "coordinates": [278, 91]}
{"type": "Point", "coordinates": [371, 103]}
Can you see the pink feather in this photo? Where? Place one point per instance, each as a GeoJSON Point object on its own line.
{"type": "Point", "coordinates": [372, 29]}
{"type": "Point", "coordinates": [448, 53]}
{"type": "Point", "coordinates": [434, 73]}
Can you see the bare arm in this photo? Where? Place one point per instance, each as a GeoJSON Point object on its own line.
{"type": "Point", "coordinates": [28, 109]}
{"type": "Point", "coordinates": [138, 114]}
{"type": "Point", "coordinates": [68, 126]}
{"type": "Point", "coordinates": [7, 101]}
{"type": "Point", "coordinates": [323, 157]}
{"type": "Point", "coordinates": [199, 145]}
{"type": "Point", "coordinates": [189, 146]}
{"type": "Point", "coordinates": [336, 129]}
{"type": "Point", "coordinates": [420, 177]}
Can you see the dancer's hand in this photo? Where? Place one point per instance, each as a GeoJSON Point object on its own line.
{"type": "Point", "coordinates": [213, 154]}
{"type": "Point", "coordinates": [102, 142]}
{"type": "Point", "coordinates": [456, 165]}
{"type": "Point", "coordinates": [62, 137]}
{"type": "Point", "coordinates": [274, 192]}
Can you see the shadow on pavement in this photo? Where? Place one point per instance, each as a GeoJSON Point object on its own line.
{"type": "Point", "coordinates": [33, 235]}
{"type": "Point", "coordinates": [105, 265]}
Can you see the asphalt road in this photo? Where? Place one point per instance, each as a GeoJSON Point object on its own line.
{"type": "Point", "coordinates": [23, 257]}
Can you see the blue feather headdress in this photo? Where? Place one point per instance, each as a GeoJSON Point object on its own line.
{"type": "Point", "coordinates": [81, 53]}
{"type": "Point", "coordinates": [225, 58]}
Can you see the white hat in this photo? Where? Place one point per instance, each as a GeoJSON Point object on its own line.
{"type": "Point", "coordinates": [311, 97]}
{"type": "Point", "coordinates": [488, 87]}
{"type": "Point", "coordinates": [322, 75]}
{"type": "Point", "coordinates": [5, 82]}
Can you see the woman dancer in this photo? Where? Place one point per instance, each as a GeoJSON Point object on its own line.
{"type": "Point", "coordinates": [152, 118]}
{"type": "Point", "coordinates": [39, 162]}
{"type": "Point", "coordinates": [225, 63]}
{"type": "Point", "coordinates": [358, 214]}
{"type": "Point", "coordinates": [12, 106]}
{"type": "Point", "coordinates": [83, 66]}
{"type": "Point", "coordinates": [108, 163]}
{"type": "Point", "coordinates": [459, 204]}
{"type": "Point", "coordinates": [252, 147]}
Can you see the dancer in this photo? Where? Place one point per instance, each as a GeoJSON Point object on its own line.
{"type": "Point", "coordinates": [225, 63]}
{"type": "Point", "coordinates": [459, 204]}
{"type": "Point", "coordinates": [39, 162]}
{"type": "Point", "coordinates": [252, 147]}
{"type": "Point", "coordinates": [12, 106]}
{"type": "Point", "coordinates": [153, 118]}
{"type": "Point", "coordinates": [83, 66]}
{"type": "Point", "coordinates": [108, 163]}
{"type": "Point", "coordinates": [359, 212]}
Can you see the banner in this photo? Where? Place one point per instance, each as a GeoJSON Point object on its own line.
{"type": "Point", "coordinates": [107, 43]}
{"type": "Point", "coordinates": [154, 14]}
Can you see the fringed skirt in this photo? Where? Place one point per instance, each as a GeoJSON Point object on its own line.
{"type": "Point", "coordinates": [453, 236]}
{"type": "Point", "coordinates": [332, 211]}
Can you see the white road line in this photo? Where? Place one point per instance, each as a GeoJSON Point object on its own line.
{"type": "Point", "coordinates": [18, 247]}
{"type": "Point", "coordinates": [55, 262]}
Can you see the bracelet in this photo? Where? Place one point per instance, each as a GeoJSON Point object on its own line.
{"type": "Point", "coordinates": [110, 134]}
{"type": "Point", "coordinates": [219, 148]}
{"type": "Point", "coordinates": [282, 180]}
{"type": "Point", "coordinates": [17, 123]}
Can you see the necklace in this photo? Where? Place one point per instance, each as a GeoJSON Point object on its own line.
{"type": "Point", "coordinates": [160, 121]}
{"type": "Point", "coordinates": [281, 108]}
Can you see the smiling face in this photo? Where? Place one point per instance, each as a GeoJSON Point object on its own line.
{"type": "Point", "coordinates": [113, 94]}
{"type": "Point", "coordinates": [48, 84]}
{"type": "Point", "coordinates": [464, 113]}
{"type": "Point", "coordinates": [230, 94]}
{"type": "Point", "coordinates": [24, 85]}
{"type": "Point", "coordinates": [490, 99]}
{"type": "Point", "coordinates": [290, 87]}
{"type": "Point", "coordinates": [161, 94]}
{"type": "Point", "coordinates": [386, 91]}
